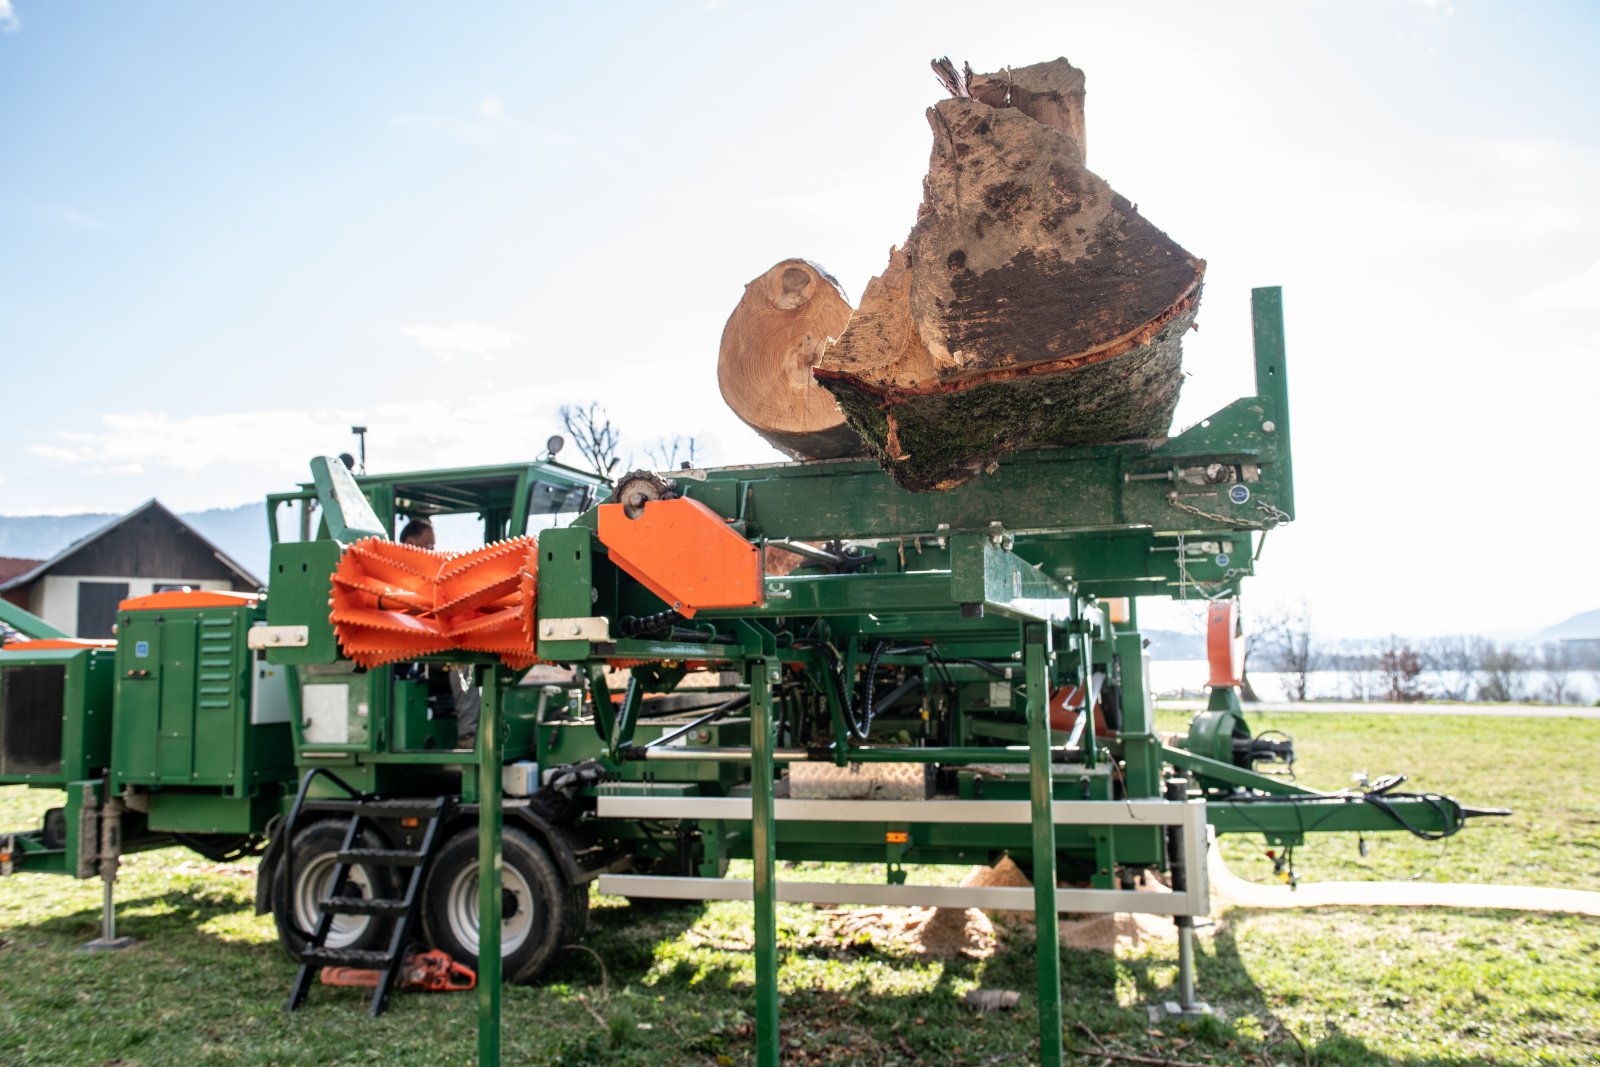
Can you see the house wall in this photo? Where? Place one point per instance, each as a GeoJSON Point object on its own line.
{"type": "Point", "coordinates": [55, 596]}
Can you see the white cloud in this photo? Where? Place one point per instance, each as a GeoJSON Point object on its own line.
{"type": "Point", "coordinates": [9, 23]}
{"type": "Point", "coordinates": [1578, 291]}
{"type": "Point", "coordinates": [460, 338]}
{"type": "Point", "coordinates": [198, 461]}
{"type": "Point", "coordinates": [492, 107]}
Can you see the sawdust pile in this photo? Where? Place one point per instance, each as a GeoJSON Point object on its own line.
{"type": "Point", "coordinates": [942, 933]}
{"type": "Point", "coordinates": [946, 933]}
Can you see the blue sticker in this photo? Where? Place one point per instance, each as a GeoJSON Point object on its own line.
{"type": "Point", "coordinates": [1222, 559]}
{"type": "Point", "coordinates": [1239, 494]}
{"type": "Point", "coordinates": [141, 649]}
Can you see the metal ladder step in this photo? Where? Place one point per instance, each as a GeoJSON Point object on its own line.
{"type": "Point", "coordinates": [345, 957]}
{"type": "Point", "coordinates": [380, 857]}
{"type": "Point", "coordinates": [366, 906]}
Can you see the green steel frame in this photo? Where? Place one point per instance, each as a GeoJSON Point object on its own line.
{"type": "Point", "coordinates": [26, 622]}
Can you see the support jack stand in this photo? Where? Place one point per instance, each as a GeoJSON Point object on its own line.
{"type": "Point", "coordinates": [108, 941]}
{"type": "Point", "coordinates": [1186, 1008]}
{"type": "Point", "coordinates": [110, 860]}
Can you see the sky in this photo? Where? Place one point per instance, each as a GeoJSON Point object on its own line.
{"type": "Point", "coordinates": [230, 232]}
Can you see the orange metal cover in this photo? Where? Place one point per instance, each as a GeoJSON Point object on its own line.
{"type": "Point", "coordinates": [55, 644]}
{"type": "Point", "coordinates": [684, 553]}
{"type": "Point", "coordinates": [1225, 642]}
{"type": "Point", "coordinates": [194, 598]}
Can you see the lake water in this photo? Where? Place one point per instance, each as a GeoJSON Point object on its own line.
{"type": "Point", "coordinates": [1187, 677]}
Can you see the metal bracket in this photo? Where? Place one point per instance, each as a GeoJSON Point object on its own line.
{"type": "Point", "coordinates": [584, 628]}
{"type": "Point", "coordinates": [264, 637]}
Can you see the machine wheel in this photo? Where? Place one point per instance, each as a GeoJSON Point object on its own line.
{"type": "Point", "coordinates": [535, 903]}
{"type": "Point", "coordinates": [577, 918]}
{"type": "Point", "coordinates": [295, 908]}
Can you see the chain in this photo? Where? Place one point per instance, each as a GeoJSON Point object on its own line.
{"type": "Point", "coordinates": [1217, 588]}
{"type": "Point", "coordinates": [1183, 571]}
{"type": "Point", "coordinates": [1269, 514]}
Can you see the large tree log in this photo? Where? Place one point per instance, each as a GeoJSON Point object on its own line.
{"type": "Point", "coordinates": [772, 340]}
{"type": "Point", "coordinates": [1031, 304]}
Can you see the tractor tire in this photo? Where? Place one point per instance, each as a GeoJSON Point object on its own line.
{"type": "Point", "coordinates": [577, 918]}
{"type": "Point", "coordinates": [295, 908]}
{"type": "Point", "coordinates": [535, 901]}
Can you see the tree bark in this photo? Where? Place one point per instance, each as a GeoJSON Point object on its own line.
{"type": "Point", "coordinates": [774, 337]}
{"type": "Point", "coordinates": [1031, 304]}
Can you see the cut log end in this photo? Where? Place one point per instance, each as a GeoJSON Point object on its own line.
{"type": "Point", "coordinates": [772, 340]}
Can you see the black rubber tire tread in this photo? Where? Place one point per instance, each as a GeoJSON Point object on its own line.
{"type": "Point", "coordinates": [577, 918]}
{"type": "Point", "coordinates": [529, 858]}
{"type": "Point", "coordinates": [325, 836]}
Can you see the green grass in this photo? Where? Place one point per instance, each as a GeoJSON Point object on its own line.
{"type": "Point", "coordinates": [1353, 986]}
{"type": "Point", "coordinates": [1542, 769]}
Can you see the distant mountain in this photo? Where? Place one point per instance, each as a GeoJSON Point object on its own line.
{"type": "Point", "coordinates": [42, 536]}
{"type": "Point", "coordinates": [241, 533]}
{"type": "Point", "coordinates": [1586, 625]}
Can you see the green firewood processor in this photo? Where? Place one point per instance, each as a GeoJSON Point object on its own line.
{"type": "Point", "coordinates": [793, 661]}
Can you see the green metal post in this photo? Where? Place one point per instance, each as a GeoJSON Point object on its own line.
{"type": "Point", "coordinates": [762, 832]}
{"type": "Point", "coordinates": [1047, 937]}
{"type": "Point", "coordinates": [489, 860]}
{"type": "Point", "coordinates": [1091, 748]}
{"type": "Point", "coordinates": [1266, 314]}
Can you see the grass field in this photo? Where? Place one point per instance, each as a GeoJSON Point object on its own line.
{"type": "Point", "coordinates": [1351, 986]}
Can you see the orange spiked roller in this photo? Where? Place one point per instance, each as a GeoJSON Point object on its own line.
{"type": "Point", "coordinates": [391, 602]}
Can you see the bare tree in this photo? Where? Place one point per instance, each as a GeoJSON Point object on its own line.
{"type": "Point", "coordinates": [668, 454]}
{"type": "Point", "coordinates": [1558, 663]}
{"type": "Point", "coordinates": [1359, 662]}
{"type": "Point", "coordinates": [1500, 670]}
{"type": "Point", "coordinates": [1291, 649]}
{"type": "Point", "coordinates": [1453, 665]}
{"type": "Point", "coordinates": [592, 435]}
{"type": "Point", "coordinates": [1401, 666]}
{"type": "Point", "coordinates": [1255, 646]}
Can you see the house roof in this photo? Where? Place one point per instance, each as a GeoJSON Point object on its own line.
{"type": "Point", "coordinates": [11, 566]}
{"type": "Point", "coordinates": [40, 568]}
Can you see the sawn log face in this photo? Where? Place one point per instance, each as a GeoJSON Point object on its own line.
{"type": "Point", "coordinates": [772, 340]}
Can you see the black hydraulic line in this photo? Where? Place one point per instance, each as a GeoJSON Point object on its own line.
{"type": "Point", "coordinates": [634, 625]}
{"type": "Point", "coordinates": [863, 730]}
{"type": "Point", "coordinates": [983, 665]}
